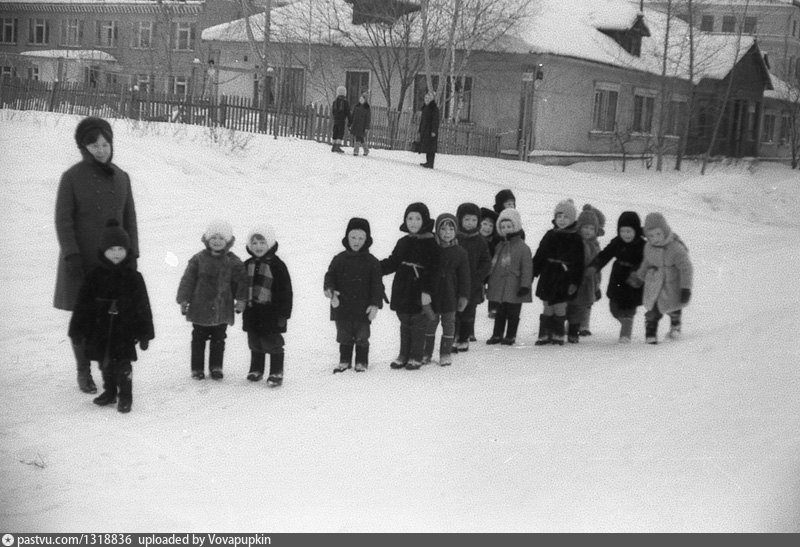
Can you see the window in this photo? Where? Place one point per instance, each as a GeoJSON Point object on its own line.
{"type": "Point", "coordinates": [604, 113]}
{"type": "Point", "coordinates": [179, 85]}
{"type": "Point", "coordinates": [677, 113]}
{"type": "Point", "coordinates": [142, 35]}
{"type": "Point", "coordinates": [728, 23]}
{"type": "Point", "coordinates": [33, 72]}
{"type": "Point", "coordinates": [707, 23]}
{"type": "Point", "coordinates": [183, 36]}
{"type": "Point", "coordinates": [644, 103]}
{"type": "Point", "coordinates": [72, 32]}
{"type": "Point", "coordinates": [356, 84]}
{"type": "Point", "coordinates": [107, 33]}
{"type": "Point", "coordinates": [38, 31]}
{"type": "Point", "coordinates": [768, 128]}
{"type": "Point", "coordinates": [786, 128]}
{"type": "Point", "coordinates": [8, 32]}
{"type": "Point", "coordinates": [459, 104]}
{"type": "Point", "coordinates": [750, 24]}
{"type": "Point", "coordinates": [9, 71]}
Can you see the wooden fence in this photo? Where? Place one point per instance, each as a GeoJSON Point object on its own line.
{"type": "Point", "coordinates": [389, 129]}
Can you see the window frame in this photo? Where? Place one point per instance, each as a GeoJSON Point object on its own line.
{"type": "Point", "coordinates": [728, 22]}
{"type": "Point", "coordinates": [600, 119]}
{"type": "Point", "coordinates": [181, 28]}
{"type": "Point", "coordinates": [67, 30]}
{"type": "Point", "coordinates": [10, 24]}
{"type": "Point", "coordinates": [34, 24]}
{"type": "Point", "coordinates": [136, 35]}
{"type": "Point", "coordinates": [107, 33]}
{"type": "Point", "coordinates": [647, 98]}
{"type": "Point", "coordinates": [707, 18]}
{"type": "Point", "coordinates": [768, 124]}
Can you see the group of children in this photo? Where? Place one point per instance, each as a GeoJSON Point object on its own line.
{"type": "Point", "coordinates": [443, 269]}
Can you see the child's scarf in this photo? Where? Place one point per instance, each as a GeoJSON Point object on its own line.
{"type": "Point", "coordinates": [260, 282]}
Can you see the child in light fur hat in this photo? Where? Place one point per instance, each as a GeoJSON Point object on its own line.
{"type": "Point", "coordinates": [666, 272]}
{"type": "Point", "coordinates": [558, 263]}
{"type": "Point", "coordinates": [269, 304]}
{"type": "Point", "coordinates": [209, 300]}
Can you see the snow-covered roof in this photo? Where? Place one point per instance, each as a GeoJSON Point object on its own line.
{"type": "Point", "coordinates": [781, 90]}
{"type": "Point", "coordinates": [568, 28]}
{"type": "Point", "coordinates": [77, 54]}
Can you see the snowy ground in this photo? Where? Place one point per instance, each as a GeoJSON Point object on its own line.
{"type": "Point", "coordinates": [696, 435]}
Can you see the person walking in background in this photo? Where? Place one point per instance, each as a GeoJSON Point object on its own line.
{"type": "Point", "coordinates": [112, 314]}
{"type": "Point", "coordinates": [340, 110]}
{"type": "Point", "coordinates": [90, 193]}
{"type": "Point", "coordinates": [362, 117]}
{"type": "Point", "coordinates": [429, 130]}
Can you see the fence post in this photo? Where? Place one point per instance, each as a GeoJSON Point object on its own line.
{"type": "Point", "coordinates": [52, 99]}
{"type": "Point", "coordinates": [223, 104]}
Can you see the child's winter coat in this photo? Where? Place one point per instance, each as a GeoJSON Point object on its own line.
{"type": "Point", "coordinates": [107, 289]}
{"type": "Point", "coordinates": [413, 261]}
{"type": "Point", "coordinates": [511, 265]}
{"type": "Point", "coordinates": [628, 257]}
{"type": "Point", "coordinates": [665, 269]}
{"type": "Point", "coordinates": [210, 284]}
{"type": "Point", "coordinates": [268, 292]}
{"type": "Point", "coordinates": [586, 295]}
{"type": "Point", "coordinates": [451, 276]}
{"type": "Point", "coordinates": [357, 277]}
{"type": "Point", "coordinates": [558, 263]}
{"type": "Point", "coordinates": [361, 119]}
{"type": "Point", "coordinates": [479, 259]}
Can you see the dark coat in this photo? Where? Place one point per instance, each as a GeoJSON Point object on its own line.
{"type": "Point", "coordinates": [88, 196]}
{"type": "Point", "coordinates": [270, 317]}
{"type": "Point", "coordinates": [558, 263]}
{"type": "Point", "coordinates": [358, 278]}
{"type": "Point", "coordinates": [413, 261]}
{"type": "Point", "coordinates": [362, 117]}
{"type": "Point", "coordinates": [106, 284]}
{"type": "Point", "coordinates": [586, 295]}
{"type": "Point", "coordinates": [451, 279]}
{"type": "Point", "coordinates": [628, 258]}
{"type": "Point", "coordinates": [429, 128]}
{"type": "Point", "coordinates": [480, 262]}
{"type": "Point", "coordinates": [340, 110]}
{"type": "Point", "coordinates": [210, 284]}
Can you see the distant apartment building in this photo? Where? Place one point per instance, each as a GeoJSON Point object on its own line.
{"type": "Point", "coordinates": [148, 44]}
{"type": "Point", "coordinates": [774, 23]}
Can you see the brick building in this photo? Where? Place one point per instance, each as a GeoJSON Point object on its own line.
{"type": "Point", "coordinates": [154, 45]}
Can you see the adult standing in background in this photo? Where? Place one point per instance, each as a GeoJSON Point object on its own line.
{"type": "Point", "coordinates": [429, 130]}
{"type": "Point", "coordinates": [90, 193]}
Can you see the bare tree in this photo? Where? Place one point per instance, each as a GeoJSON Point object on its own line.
{"type": "Point", "coordinates": [726, 96]}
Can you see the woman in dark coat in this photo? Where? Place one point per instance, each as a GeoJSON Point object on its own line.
{"type": "Point", "coordinates": [90, 193]}
{"type": "Point", "coordinates": [429, 130]}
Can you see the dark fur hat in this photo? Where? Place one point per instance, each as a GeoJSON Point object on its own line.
{"type": "Point", "coordinates": [114, 236]}
{"type": "Point", "coordinates": [422, 209]}
{"type": "Point", "coordinates": [357, 223]}
{"type": "Point", "coordinates": [601, 218]}
{"type": "Point", "coordinates": [501, 197]}
{"type": "Point", "coordinates": [467, 209]}
{"type": "Point", "coordinates": [488, 213]}
{"type": "Point", "coordinates": [89, 128]}
{"type": "Point", "coordinates": [630, 219]}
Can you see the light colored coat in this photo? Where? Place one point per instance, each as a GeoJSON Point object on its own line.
{"type": "Point", "coordinates": [665, 270]}
{"type": "Point", "coordinates": [512, 268]}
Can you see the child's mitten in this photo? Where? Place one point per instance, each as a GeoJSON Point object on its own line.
{"type": "Point", "coordinates": [372, 313]}
{"type": "Point", "coordinates": [686, 295]}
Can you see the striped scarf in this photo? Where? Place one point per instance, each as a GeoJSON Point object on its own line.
{"type": "Point", "coordinates": [259, 285]}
